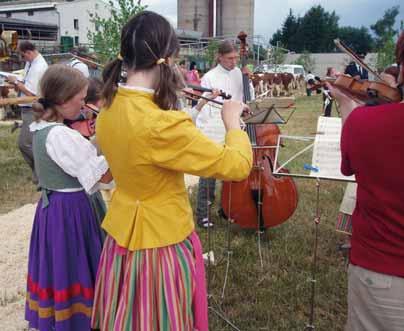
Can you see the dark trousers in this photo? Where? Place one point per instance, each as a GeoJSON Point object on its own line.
{"type": "Point", "coordinates": [25, 138]}
{"type": "Point", "coordinates": [206, 187]}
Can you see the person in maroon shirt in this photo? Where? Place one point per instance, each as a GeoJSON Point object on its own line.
{"type": "Point", "coordinates": [372, 149]}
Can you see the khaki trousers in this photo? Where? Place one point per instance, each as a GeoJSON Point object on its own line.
{"type": "Point", "coordinates": [375, 301]}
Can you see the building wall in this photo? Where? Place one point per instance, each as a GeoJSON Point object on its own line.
{"type": "Point", "coordinates": [64, 15]}
{"type": "Point", "coordinates": [80, 10]}
{"type": "Point", "coordinates": [337, 60]}
{"type": "Point", "coordinates": [234, 16]}
{"type": "Point", "coordinates": [44, 15]}
{"type": "Point", "coordinates": [193, 15]}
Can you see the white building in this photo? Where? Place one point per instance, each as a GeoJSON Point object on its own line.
{"type": "Point", "coordinates": [73, 17]}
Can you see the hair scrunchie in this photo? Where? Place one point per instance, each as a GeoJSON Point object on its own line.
{"type": "Point", "coordinates": [45, 103]}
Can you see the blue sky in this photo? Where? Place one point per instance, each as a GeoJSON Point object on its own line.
{"type": "Point", "coordinates": [270, 14]}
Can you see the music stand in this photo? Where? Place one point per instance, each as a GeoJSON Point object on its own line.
{"type": "Point", "coordinates": [265, 111]}
{"type": "Point", "coordinates": [325, 164]}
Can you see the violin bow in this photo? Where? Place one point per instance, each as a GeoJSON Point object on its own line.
{"type": "Point", "coordinates": [195, 96]}
{"type": "Point", "coordinates": [343, 47]}
{"type": "Point", "coordinates": [83, 59]}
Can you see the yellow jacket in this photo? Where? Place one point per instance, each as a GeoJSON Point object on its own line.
{"type": "Point", "coordinates": [148, 151]}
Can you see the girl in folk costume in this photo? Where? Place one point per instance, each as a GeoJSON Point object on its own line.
{"type": "Point", "coordinates": [151, 273]}
{"type": "Point", "coordinates": [66, 240]}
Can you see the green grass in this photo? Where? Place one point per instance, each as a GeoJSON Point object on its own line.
{"type": "Point", "coordinates": [16, 188]}
{"type": "Point", "coordinates": [276, 297]}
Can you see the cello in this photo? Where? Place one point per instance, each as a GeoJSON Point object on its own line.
{"type": "Point", "coordinates": [262, 200]}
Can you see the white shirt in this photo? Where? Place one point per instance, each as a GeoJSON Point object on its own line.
{"type": "Point", "coordinates": [209, 120]}
{"type": "Point", "coordinates": [74, 154]}
{"type": "Point", "coordinates": [33, 72]}
{"type": "Point", "coordinates": [309, 76]}
{"type": "Point", "coordinates": [80, 66]}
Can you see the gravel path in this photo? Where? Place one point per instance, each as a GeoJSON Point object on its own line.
{"type": "Point", "coordinates": [14, 240]}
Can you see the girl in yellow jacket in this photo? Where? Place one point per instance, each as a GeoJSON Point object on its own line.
{"type": "Point", "coordinates": [151, 273]}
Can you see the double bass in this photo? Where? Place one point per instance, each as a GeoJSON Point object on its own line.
{"type": "Point", "coordinates": [262, 200]}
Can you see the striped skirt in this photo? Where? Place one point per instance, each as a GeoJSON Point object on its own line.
{"type": "Point", "coordinates": [159, 289]}
{"type": "Point", "coordinates": [344, 223]}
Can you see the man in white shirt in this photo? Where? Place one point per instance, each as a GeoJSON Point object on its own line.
{"type": "Point", "coordinates": [309, 82]}
{"type": "Point", "coordinates": [226, 76]}
{"type": "Point", "coordinates": [35, 67]}
{"type": "Point", "coordinates": [79, 65]}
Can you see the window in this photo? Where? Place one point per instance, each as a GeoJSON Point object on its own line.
{"type": "Point", "coordinates": [8, 14]}
{"type": "Point", "coordinates": [76, 24]}
{"type": "Point", "coordinates": [76, 40]}
{"type": "Point", "coordinates": [30, 13]}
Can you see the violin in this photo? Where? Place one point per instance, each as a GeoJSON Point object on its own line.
{"type": "Point", "coordinates": [195, 96]}
{"type": "Point", "coordinates": [370, 92]}
{"type": "Point", "coordinates": [86, 127]}
{"type": "Point", "coordinates": [262, 200]}
{"type": "Point", "coordinates": [222, 94]}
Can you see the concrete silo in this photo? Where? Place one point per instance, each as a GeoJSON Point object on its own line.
{"type": "Point", "coordinates": [216, 17]}
{"type": "Point", "coordinates": [233, 16]}
{"type": "Point", "coordinates": [194, 15]}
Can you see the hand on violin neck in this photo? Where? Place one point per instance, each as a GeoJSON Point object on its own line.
{"type": "Point", "coordinates": [246, 110]}
{"type": "Point", "coordinates": [215, 93]}
{"type": "Point", "coordinates": [389, 79]}
{"type": "Point", "coordinates": [246, 71]}
{"type": "Point", "coordinates": [346, 103]}
{"type": "Point", "coordinates": [231, 112]}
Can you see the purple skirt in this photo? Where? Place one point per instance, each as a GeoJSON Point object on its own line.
{"type": "Point", "coordinates": [65, 248]}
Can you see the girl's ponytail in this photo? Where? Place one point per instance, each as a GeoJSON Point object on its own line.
{"type": "Point", "coordinates": [111, 75]}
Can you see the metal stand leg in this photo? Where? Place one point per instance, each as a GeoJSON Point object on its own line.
{"type": "Point", "coordinates": [213, 305]}
{"type": "Point", "coordinates": [310, 325]}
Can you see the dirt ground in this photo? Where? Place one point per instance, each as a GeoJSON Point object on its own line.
{"type": "Point", "coordinates": [14, 241]}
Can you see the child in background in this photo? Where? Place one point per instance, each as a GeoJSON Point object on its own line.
{"type": "Point", "coordinates": [66, 240]}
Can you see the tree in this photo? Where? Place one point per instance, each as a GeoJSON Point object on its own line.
{"type": "Point", "coordinates": [211, 51]}
{"type": "Point", "coordinates": [307, 61]}
{"type": "Point", "coordinates": [313, 32]}
{"type": "Point", "coordinates": [384, 27]}
{"type": "Point", "coordinates": [290, 30]}
{"type": "Point", "coordinates": [358, 39]}
{"type": "Point", "coordinates": [317, 31]}
{"type": "Point", "coordinates": [107, 36]}
{"type": "Point", "coordinates": [258, 49]}
{"type": "Point", "coordinates": [287, 34]}
{"type": "Point", "coordinates": [276, 37]}
{"type": "Point", "coordinates": [277, 55]}
{"type": "Point", "coordinates": [386, 55]}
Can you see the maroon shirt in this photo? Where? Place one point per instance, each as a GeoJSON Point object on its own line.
{"type": "Point", "coordinates": [372, 147]}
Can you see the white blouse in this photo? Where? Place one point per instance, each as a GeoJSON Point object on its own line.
{"type": "Point", "coordinates": [209, 120]}
{"type": "Point", "coordinates": [74, 154]}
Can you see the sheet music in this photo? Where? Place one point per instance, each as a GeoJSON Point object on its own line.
{"type": "Point", "coordinates": [326, 160]}
{"type": "Point", "coordinates": [6, 74]}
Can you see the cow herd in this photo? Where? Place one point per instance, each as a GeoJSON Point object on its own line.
{"type": "Point", "coordinates": [277, 84]}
